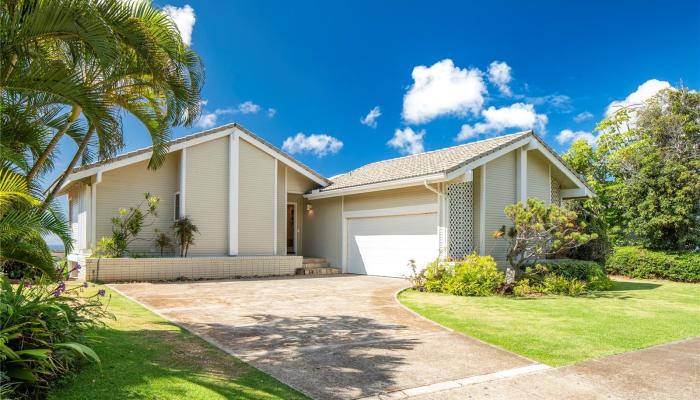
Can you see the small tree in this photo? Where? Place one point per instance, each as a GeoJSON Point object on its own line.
{"type": "Point", "coordinates": [163, 241]}
{"type": "Point", "coordinates": [129, 223]}
{"type": "Point", "coordinates": [539, 231]}
{"type": "Point", "coordinates": [184, 232]}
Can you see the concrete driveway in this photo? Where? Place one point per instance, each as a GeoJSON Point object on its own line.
{"type": "Point", "coordinates": [339, 337]}
{"type": "Point", "coordinates": [346, 337]}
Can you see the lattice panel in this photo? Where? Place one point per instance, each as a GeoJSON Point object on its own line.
{"type": "Point", "coordinates": [461, 217]}
{"type": "Point", "coordinates": [556, 192]}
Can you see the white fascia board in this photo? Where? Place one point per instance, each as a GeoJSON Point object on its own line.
{"type": "Point", "coordinates": [575, 193]}
{"type": "Point", "coordinates": [147, 155]}
{"type": "Point", "coordinates": [374, 187]}
{"type": "Point", "coordinates": [289, 162]}
{"type": "Point", "coordinates": [483, 160]}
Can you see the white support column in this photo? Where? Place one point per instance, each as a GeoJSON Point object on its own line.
{"type": "Point", "coordinates": [183, 172]}
{"type": "Point", "coordinates": [286, 222]}
{"type": "Point", "coordinates": [275, 206]}
{"type": "Point", "coordinates": [233, 158]}
{"type": "Point", "coordinates": [522, 175]}
{"type": "Point", "coordinates": [482, 211]}
{"type": "Point", "coordinates": [548, 201]}
{"type": "Point", "coordinates": [93, 209]}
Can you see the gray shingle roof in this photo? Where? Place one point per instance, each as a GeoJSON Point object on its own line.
{"type": "Point", "coordinates": [428, 163]}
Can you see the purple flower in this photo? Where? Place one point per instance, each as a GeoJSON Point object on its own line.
{"type": "Point", "coordinates": [28, 285]}
{"type": "Point", "coordinates": [60, 288]}
{"type": "Point", "coordinates": [77, 267]}
{"type": "Point", "coordinates": [101, 292]}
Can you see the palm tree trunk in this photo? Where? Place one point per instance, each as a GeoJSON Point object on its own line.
{"type": "Point", "coordinates": [73, 162]}
{"type": "Point", "coordinates": [74, 114]}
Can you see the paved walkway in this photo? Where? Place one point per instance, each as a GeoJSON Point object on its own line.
{"type": "Point", "coordinates": [346, 337]}
{"type": "Point", "coordinates": [341, 337]}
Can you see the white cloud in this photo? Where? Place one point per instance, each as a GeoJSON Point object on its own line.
{"type": "Point", "coordinates": [567, 135]}
{"type": "Point", "coordinates": [500, 75]}
{"type": "Point", "coordinates": [184, 19]}
{"type": "Point", "coordinates": [407, 141]}
{"type": "Point", "coordinates": [584, 116]}
{"type": "Point", "coordinates": [248, 107]}
{"type": "Point", "coordinates": [316, 144]}
{"type": "Point", "coordinates": [271, 112]}
{"type": "Point", "coordinates": [644, 91]}
{"type": "Point", "coordinates": [557, 102]}
{"type": "Point", "coordinates": [371, 118]}
{"type": "Point", "coordinates": [496, 120]}
{"type": "Point", "coordinates": [206, 120]}
{"type": "Point", "coordinates": [443, 89]}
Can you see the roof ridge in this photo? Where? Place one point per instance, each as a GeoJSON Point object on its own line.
{"type": "Point", "coordinates": [437, 150]}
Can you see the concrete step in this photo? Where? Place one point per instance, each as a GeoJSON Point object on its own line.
{"type": "Point", "coordinates": [316, 265]}
{"type": "Point", "coordinates": [313, 260]}
{"type": "Point", "coordinates": [318, 271]}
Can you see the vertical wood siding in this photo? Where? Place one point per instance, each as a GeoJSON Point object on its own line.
{"type": "Point", "coordinates": [124, 187]}
{"type": "Point", "coordinates": [206, 196]}
{"type": "Point", "coordinates": [255, 201]}
{"type": "Point", "coordinates": [500, 192]}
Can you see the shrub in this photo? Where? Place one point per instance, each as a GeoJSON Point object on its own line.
{"type": "Point", "coordinates": [636, 262]}
{"type": "Point", "coordinates": [474, 276]}
{"type": "Point", "coordinates": [436, 275]}
{"type": "Point", "coordinates": [42, 335]}
{"type": "Point", "coordinates": [562, 277]}
{"type": "Point", "coordinates": [557, 284]}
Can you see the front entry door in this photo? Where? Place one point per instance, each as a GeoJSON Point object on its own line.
{"type": "Point", "coordinates": [291, 229]}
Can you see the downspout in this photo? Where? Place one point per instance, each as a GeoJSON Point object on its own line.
{"type": "Point", "coordinates": [441, 217]}
{"type": "Point", "coordinates": [432, 189]}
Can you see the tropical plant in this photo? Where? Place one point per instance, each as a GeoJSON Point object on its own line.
{"type": "Point", "coordinates": [23, 223]}
{"type": "Point", "coordinates": [130, 222]}
{"type": "Point", "coordinates": [42, 334]}
{"type": "Point", "coordinates": [184, 233]}
{"type": "Point", "coordinates": [94, 58]}
{"type": "Point", "coordinates": [163, 241]}
{"type": "Point", "coordinates": [539, 231]}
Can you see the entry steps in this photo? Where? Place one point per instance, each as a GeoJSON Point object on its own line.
{"type": "Point", "coordinates": [316, 266]}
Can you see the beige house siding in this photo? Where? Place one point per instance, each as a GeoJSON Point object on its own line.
{"type": "Point", "coordinates": [538, 177]}
{"type": "Point", "coordinates": [298, 183]}
{"type": "Point", "coordinates": [256, 171]}
{"type": "Point", "coordinates": [411, 196]}
{"type": "Point", "coordinates": [323, 230]}
{"type": "Point", "coordinates": [476, 204]}
{"type": "Point", "coordinates": [500, 192]}
{"type": "Point", "coordinates": [124, 187]}
{"type": "Point", "coordinates": [298, 201]}
{"type": "Point", "coordinates": [206, 196]}
{"type": "Point", "coordinates": [281, 210]}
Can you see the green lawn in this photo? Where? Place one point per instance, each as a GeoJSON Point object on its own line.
{"type": "Point", "coordinates": [562, 330]}
{"type": "Point", "coordinates": [146, 357]}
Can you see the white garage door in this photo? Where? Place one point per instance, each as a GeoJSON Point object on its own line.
{"type": "Point", "coordinates": [383, 245]}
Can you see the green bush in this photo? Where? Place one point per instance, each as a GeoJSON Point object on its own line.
{"type": "Point", "coordinates": [474, 276]}
{"type": "Point", "coordinates": [636, 262]}
{"type": "Point", "coordinates": [562, 277]}
{"type": "Point", "coordinates": [42, 335]}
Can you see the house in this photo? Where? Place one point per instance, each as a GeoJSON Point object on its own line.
{"type": "Point", "coordinates": [253, 201]}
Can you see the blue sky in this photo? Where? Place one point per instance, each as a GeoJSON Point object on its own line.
{"type": "Point", "coordinates": [322, 66]}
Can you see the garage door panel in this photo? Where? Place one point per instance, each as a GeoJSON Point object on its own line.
{"type": "Point", "coordinates": [384, 245]}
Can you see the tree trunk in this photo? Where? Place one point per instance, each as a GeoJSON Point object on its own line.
{"type": "Point", "coordinates": [74, 114]}
{"type": "Point", "coordinates": [73, 162]}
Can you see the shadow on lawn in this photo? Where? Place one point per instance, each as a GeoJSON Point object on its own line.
{"type": "Point", "coordinates": [165, 364]}
{"type": "Point", "coordinates": [620, 289]}
{"type": "Point", "coordinates": [339, 356]}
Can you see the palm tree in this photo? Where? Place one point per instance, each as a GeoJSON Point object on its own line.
{"type": "Point", "coordinates": [184, 232]}
{"type": "Point", "coordinates": [94, 58]}
{"type": "Point", "coordinates": [23, 222]}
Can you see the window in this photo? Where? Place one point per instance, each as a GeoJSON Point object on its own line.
{"type": "Point", "coordinates": [177, 206]}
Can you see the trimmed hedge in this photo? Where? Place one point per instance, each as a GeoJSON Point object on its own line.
{"type": "Point", "coordinates": [636, 262]}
